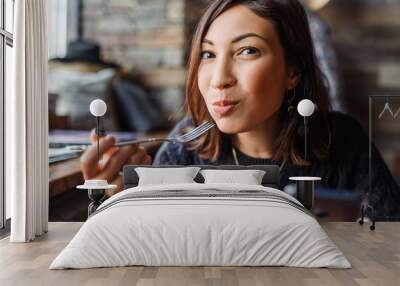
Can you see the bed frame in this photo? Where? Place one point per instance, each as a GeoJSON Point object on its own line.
{"type": "Point", "coordinates": [270, 179]}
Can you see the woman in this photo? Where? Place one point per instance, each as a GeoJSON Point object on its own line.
{"type": "Point", "coordinates": [251, 62]}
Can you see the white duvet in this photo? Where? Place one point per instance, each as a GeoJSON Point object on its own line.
{"type": "Point", "coordinates": [269, 228]}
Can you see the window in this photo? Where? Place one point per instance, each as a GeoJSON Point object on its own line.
{"type": "Point", "coordinates": [62, 25]}
{"type": "Point", "coordinates": [6, 44]}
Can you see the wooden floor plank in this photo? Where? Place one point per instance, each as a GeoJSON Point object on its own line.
{"type": "Point", "coordinates": [375, 257]}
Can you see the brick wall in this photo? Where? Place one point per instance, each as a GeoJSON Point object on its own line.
{"type": "Point", "coordinates": [146, 35]}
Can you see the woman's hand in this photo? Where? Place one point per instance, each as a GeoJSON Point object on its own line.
{"type": "Point", "coordinates": [112, 159]}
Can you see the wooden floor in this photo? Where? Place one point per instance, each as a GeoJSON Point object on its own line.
{"type": "Point", "coordinates": [375, 256]}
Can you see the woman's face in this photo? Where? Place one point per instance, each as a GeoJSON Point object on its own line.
{"type": "Point", "coordinates": [242, 75]}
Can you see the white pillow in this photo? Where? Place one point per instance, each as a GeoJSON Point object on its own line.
{"type": "Point", "coordinates": [162, 176]}
{"type": "Point", "coordinates": [249, 177]}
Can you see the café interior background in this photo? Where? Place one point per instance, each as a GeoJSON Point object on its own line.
{"type": "Point", "coordinates": [149, 41]}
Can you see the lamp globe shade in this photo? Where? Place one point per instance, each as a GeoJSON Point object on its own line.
{"type": "Point", "coordinates": [306, 108]}
{"type": "Point", "coordinates": [98, 107]}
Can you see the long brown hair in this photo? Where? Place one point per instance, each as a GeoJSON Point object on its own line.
{"type": "Point", "coordinates": [291, 24]}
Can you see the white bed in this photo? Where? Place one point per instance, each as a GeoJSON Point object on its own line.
{"type": "Point", "coordinates": [201, 224]}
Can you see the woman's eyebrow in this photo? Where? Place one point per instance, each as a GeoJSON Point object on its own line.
{"type": "Point", "coordinates": [240, 38]}
{"type": "Point", "coordinates": [247, 35]}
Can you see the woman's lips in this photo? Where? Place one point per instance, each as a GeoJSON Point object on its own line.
{"type": "Point", "coordinates": [223, 107]}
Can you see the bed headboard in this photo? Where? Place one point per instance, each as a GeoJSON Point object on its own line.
{"type": "Point", "coordinates": [270, 179]}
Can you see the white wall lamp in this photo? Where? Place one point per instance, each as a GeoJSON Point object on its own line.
{"type": "Point", "coordinates": [96, 188]}
{"type": "Point", "coordinates": [305, 185]}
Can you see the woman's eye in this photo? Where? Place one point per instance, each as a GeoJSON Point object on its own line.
{"type": "Point", "coordinates": [249, 51]}
{"type": "Point", "coordinates": [206, 55]}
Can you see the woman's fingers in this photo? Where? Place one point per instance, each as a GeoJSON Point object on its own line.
{"type": "Point", "coordinates": [147, 160]}
{"type": "Point", "coordinates": [120, 185]}
{"type": "Point", "coordinates": [93, 136]}
{"type": "Point", "coordinates": [115, 163]}
{"type": "Point", "coordinates": [112, 161]}
{"type": "Point", "coordinates": [89, 157]}
{"type": "Point", "coordinates": [140, 158]}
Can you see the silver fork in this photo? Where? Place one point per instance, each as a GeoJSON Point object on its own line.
{"type": "Point", "coordinates": [181, 139]}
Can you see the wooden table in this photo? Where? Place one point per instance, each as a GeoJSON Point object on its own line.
{"type": "Point", "coordinates": [374, 255]}
{"type": "Point", "coordinates": [66, 175]}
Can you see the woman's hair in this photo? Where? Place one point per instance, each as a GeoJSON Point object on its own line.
{"type": "Point", "coordinates": [291, 24]}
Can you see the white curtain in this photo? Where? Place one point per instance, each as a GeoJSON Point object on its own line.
{"type": "Point", "coordinates": [27, 124]}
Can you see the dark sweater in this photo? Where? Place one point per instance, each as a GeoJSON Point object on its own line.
{"type": "Point", "coordinates": [346, 167]}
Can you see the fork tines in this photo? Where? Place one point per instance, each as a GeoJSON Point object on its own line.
{"type": "Point", "coordinates": [198, 130]}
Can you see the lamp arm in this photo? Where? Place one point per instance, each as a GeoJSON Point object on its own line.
{"type": "Point", "coordinates": [305, 137]}
{"type": "Point", "coordinates": [98, 138]}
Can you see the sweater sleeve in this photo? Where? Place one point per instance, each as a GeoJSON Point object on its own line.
{"type": "Point", "coordinates": [175, 154]}
{"type": "Point", "coordinates": [381, 190]}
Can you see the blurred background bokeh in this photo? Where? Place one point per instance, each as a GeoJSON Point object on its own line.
{"type": "Point", "coordinates": [133, 54]}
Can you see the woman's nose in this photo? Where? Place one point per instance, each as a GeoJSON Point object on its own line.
{"type": "Point", "coordinates": [222, 76]}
